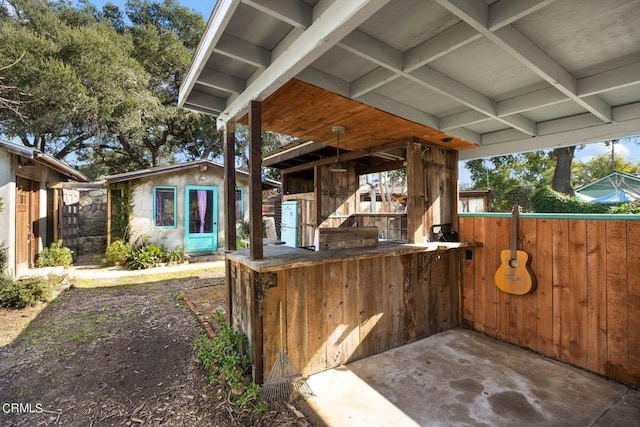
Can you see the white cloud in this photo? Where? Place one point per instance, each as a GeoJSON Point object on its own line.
{"type": "Point", "coordinates": [598, 148]}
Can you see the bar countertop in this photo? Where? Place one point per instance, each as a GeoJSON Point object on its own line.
{"type": "Point", "coordinates": [284, 257]}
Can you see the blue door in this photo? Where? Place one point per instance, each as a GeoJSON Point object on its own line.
{"type": "Point", "coordinates": [201, 219]}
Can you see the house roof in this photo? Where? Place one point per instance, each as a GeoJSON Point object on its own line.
{"type": "Point", "coordinates": [43, 159]}
{"type": "Point", "coordinates": [159, 170]}
{"type": "Point", "coordinates": [495, 77]}
{"type": "Point", "coordinates": [614, 184]}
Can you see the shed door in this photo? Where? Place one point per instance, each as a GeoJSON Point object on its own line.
{"type": "Point", "coordinates": [27, 220]}
{"type": "Point", "coordinates": [201, 219]}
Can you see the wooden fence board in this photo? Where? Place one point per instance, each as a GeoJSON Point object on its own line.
{"type": "Point", "coordinates": [544, 286]}
{"type": "Point", "coordinates": [578, 291]}
{"type": "Point", "coordinates": [366, 298]}
{"type": "Point", "coordinates": [351, 340]}
{"type": "Point", "coordinates": [503, 299]}
{"type": "Point", "coordinates": [466, 228]}
{"type": "Point", "coordinates": [596, 296]}
{"type": "Point", "coordinates": [529, 301]}
{"type": "Point", "coordinates": [480, 275]}
{"type": "Point", "coordinates": [492, 257]}
{"type": "Point", "coordinates": [617, 322]}
{"type": "Point", "coordinates": [271, 322]}
{"type": "Point", "coordinates": [561, 298]}
{"type": "Point", "coordinates": [633, 309]}
{"type": "Point", "coordinates": [296, 317]}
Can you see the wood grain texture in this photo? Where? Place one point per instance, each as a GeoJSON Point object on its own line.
{"type": "Point", "coordinates": [305, 111]}
{"type": "Point", "coordinates": [585, 309]}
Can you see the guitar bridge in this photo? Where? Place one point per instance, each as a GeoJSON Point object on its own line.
{"type": "Point", "coordinates": [512, 277]}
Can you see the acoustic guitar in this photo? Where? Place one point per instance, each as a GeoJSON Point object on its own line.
{"type": "Point", "coordinates": [513, 276]}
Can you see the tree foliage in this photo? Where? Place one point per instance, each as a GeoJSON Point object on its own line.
{"type": "Point", "coordinates": [103, 84]}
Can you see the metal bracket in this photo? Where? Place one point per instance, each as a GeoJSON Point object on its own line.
{"type": "Point", "coordinates": [263, 281]}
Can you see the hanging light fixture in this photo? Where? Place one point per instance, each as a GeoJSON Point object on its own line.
{"type": "Point", "coordinates": [337, 166]}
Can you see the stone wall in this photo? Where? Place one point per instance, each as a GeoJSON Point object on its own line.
{"type": "Point", "coordinates": [93, 221]}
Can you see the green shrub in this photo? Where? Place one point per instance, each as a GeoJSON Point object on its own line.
{"type": "Point", "coordinates": [55, 255]}
{"type": "Point", "coordinates": [21, 294]}
{"type": "Point", "coordinates": [222, 358]}
{"type": "Point", "coordinates": [4, 257]}
{"type": "Point", "coordinates": [175, 256]}
{"type": "Point", "coordinates": [117, 253]}
{"type": "Point", "coordinates": [546, 200]}
{"type": "Point", "coordinates": [146, 257]}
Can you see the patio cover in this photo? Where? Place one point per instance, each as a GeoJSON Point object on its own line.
{"type": "Point", "coordinates": [484, 77]}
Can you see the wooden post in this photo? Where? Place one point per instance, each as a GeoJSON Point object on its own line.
{"type": "Point", "coordinates": [415, 193]}
{"type": "Point", "coordinates": [230, 186]}
{"type": "Point", "coordinates": [108, 214]}
{"type": "Point", "coordinates": [255, 180]}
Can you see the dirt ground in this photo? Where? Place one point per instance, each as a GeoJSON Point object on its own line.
{"type": "Point", "coordinates": [106, 353]}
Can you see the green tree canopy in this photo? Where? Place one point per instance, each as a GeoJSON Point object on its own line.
{"type": "Point", "coordinates": [102, 86]}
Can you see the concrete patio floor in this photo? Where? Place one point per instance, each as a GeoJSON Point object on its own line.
{"type": "Point", "coordinates": [460, 377]}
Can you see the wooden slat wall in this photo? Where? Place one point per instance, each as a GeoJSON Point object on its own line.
{"type": "Point", "coordinates": [585, 309]}
{"type": "Point", "coordinates": [342, 311]}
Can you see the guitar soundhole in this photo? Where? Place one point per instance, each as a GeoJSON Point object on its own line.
{"type": "Point", "coordinates": [513, 263]}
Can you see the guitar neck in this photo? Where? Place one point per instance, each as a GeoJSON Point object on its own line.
{"type": "Point", "coordinates": [514, 232]}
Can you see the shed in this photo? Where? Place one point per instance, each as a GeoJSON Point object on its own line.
{"type": "Point", "coordinates": [176, 205]}
{"type": "Point", "coordinates": [614, 187]}
{"type": "Point", "coordinates": [35, 212]}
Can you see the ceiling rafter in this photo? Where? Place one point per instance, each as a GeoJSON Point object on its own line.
{"type": "Point", "coordinates": [512, 41]}
{"type": "Point", "coordinates": [243, 51]}
{"type": "Point", "coordinates": [592, 85]}
{"type": "Point", "coordinates": [383, 55]}
{"type": "Point", "coordinates": [337, 20]}
{"type": "Point", "coordinates": [208, 102]}
{"type": "Point", "coordinates": [293, 12]}
{"type": "Point", "coordinates": [222, 81]}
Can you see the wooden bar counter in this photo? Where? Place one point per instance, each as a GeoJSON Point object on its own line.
{"type": "Point", "coordinates": [342, 305]}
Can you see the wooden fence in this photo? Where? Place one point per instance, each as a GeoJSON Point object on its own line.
{"type": "Point", "coordinates": [585, 309]}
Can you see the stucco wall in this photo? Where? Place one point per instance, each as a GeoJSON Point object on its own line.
{"type": "Point", "coordinates": [7, 219]}
{"type": "Point", "coordinates": [141, 224]}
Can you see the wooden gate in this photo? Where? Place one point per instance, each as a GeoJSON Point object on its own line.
{"type": "Point", "coordinates": [69, 220]}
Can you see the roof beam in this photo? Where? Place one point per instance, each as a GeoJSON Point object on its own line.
{"type": "Point", "coordinates": [338, 20]}
{"type": "Point", "coordinates": [503, 13]}
{"type": "Point", "coordinates": [592, 85]}
{"type": "Point", "coordinates": [513, 42]}
{"type": "Point", "coordinates": [373, 50]}
{"type": "Point", "coordinates": [465, 118]}
{"type": "Point", "coordinates": [581, 129]}
{"type": "Point", "coordinates": [293, 152]}
{"type": "Point", "coordinates": [293, 12]}
{"type": "Point", "coordinates": [207, 102]}
{"type": "Point", "coordinates": [217, 80]}
{"type": "Point", "coordinates": [609, 80]}
{"type": "Point", "coordinates": [441, 44]}
{"type": "Point", "coordinates": [243, 51]}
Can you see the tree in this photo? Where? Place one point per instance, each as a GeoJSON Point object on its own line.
{"type": "Point", "coordinates": [561, 181]}
{"type": "Point", "coordinates": [102, 86]}
{"type": "Point", "coordinates": [599, 166]}
{"type": "Point", "coordinates": [513, 178]}
{"type": "Point", "coordinates": [10, 97]}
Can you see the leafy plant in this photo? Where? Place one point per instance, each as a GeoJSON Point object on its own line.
{"type": "Point", "coordinates": [55, 255]}
{"type": "Point", "coordinates": [4, 257]}
{"type": "Point", "coordinates": [227, 366]}
{"type": "Point", "coordinates": [21, 294]}
{"type": "Point", "coordinates": [546, 200]}
{"type": "Point", "coordinates": [140, 259]}
{"type": "Point", "coordinates": [175, 256]}
{"type": "Point", "coordinates": [117, 253]}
